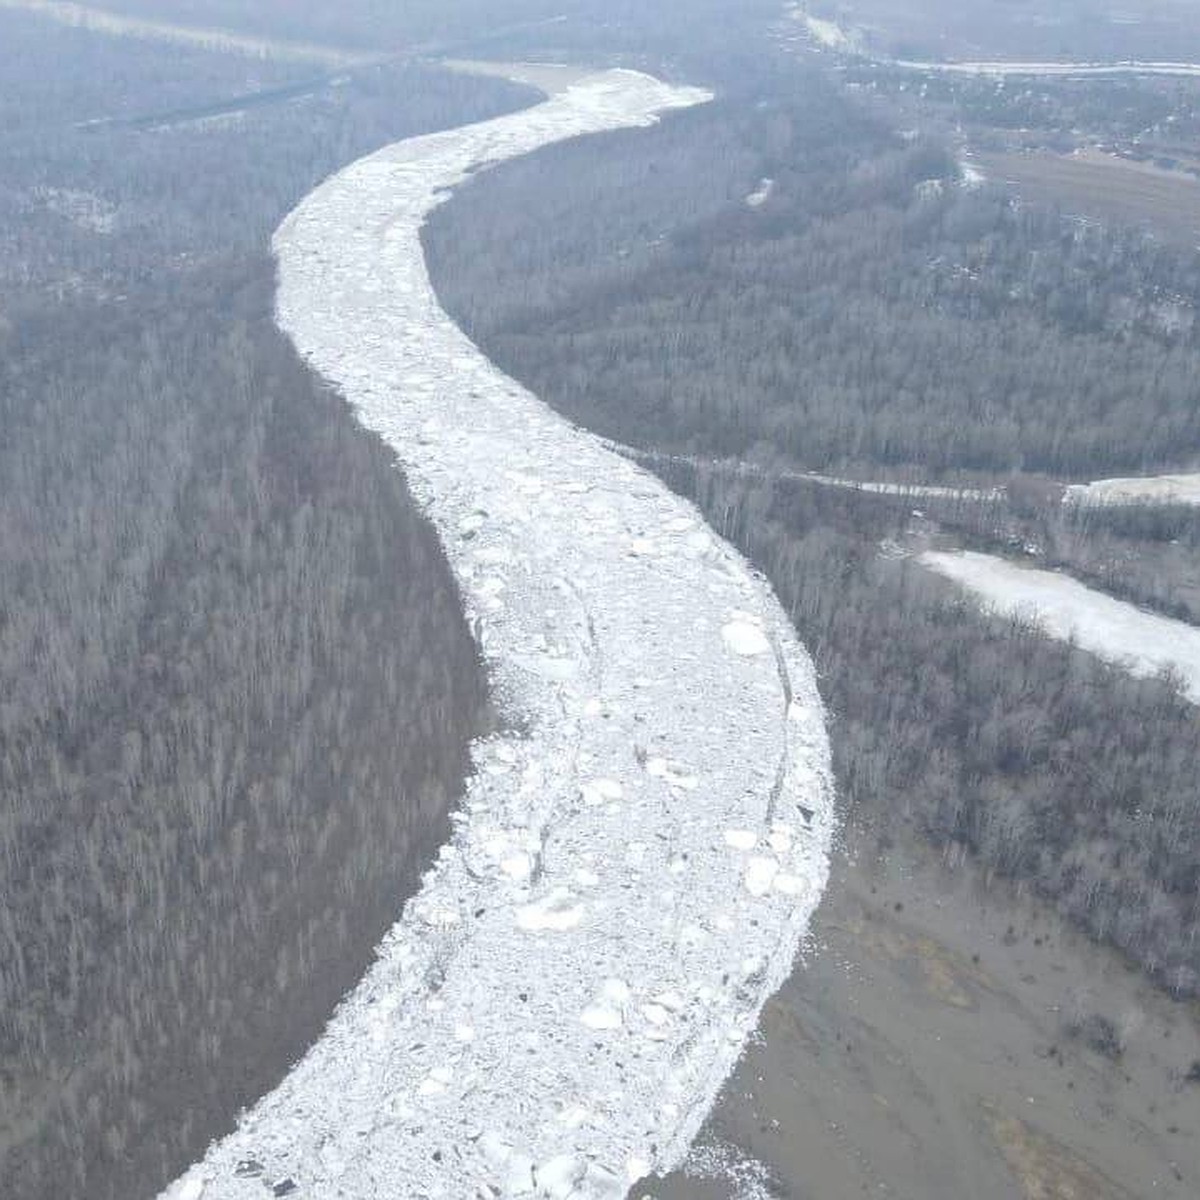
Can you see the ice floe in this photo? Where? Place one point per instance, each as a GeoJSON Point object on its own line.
{"type": "Point", "coordinates": [745, 639]}
{"type": "Point", "coordinates": [555, 1010]}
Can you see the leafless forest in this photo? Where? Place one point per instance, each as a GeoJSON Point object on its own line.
{"type": "Point", "coordinates": [235, 683]}
{"type": "Point", "coordinates": [875, 316]}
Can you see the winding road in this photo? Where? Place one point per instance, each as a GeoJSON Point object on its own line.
{"type": "Point", "coordinates": [638, 855]}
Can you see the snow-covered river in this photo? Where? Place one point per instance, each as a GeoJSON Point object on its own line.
{"type": "Point", "coordinates": [637, 860]}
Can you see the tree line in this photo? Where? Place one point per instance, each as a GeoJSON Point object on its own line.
{"type": "Point", "coordinates": [236, 686]}
{"type": "Point", "coordinates": [870, 313]}
{"type": "Point", "coordinates": [873, 315]}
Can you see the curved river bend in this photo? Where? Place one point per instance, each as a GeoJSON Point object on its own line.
{"type": "Point", "coordinates": [635, 864]}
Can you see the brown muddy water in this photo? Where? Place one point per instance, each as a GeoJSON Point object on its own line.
{"type": "Point", "coordinates": [950, 1040]}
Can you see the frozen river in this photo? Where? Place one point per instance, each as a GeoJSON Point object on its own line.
{"type": "Point", "coordinates": [637, 858]}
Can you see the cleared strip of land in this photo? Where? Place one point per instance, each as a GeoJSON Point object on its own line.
{"type": "Point", "coordinates": [1056, 70]}
{"type": "Point", "coordinates": [101, 20]}
{"type": "Point", "coordinates": [1141, 642]}
{"type": "Point", "coordinates": [1104, 187]}
{"type": "Point", "coordinates": [1146, 489]}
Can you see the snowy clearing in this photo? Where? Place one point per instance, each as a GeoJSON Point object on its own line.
{"type": "Point", "coordinates": [1054, 70]}
{"type": "Point", "coordinates": [557, 1008]}
{"type": "Point", "coordinates": [761, 194]}
{"type": "Point", "coordinates": [1144, 643]}
{"type": "Point", "coordinates": [1149, 489]}
{"type": "Point", "coordinates": [753, 470]}
{"type": "Point", "coordinates": [916, 491]}
{"type": "Point", "coordinates": [822, 32]}
{"type": "Point", "coordinates": [827, 33]}
{"type": "Point", "coordinates": [969, 175]}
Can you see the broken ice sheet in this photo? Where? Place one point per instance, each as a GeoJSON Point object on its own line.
{"type": "Point", "coordinates": [578, 949]}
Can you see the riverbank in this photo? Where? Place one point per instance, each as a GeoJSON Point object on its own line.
{"type": "Point", "coordinates": [946, 1038]}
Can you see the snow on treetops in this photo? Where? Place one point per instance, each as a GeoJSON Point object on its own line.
{"type": "Point", "coordinates": [637, 857]}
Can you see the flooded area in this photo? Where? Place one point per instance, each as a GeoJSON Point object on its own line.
{"type": "Point", "coordinates": [948, 1038]}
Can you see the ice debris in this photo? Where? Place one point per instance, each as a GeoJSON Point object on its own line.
{"type": "Point", "coordinates": [554, 1011]}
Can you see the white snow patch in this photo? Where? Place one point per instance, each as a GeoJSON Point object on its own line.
{"type": "Point", "coordinates": [761, 194]}
{"type": "Point", "coordinates": [602, 1016]}
{"type": "Point", "coordinates": [560, 1176]}
{"type": "Point", "coordinates": [524, 499]}
{"type": "Point", "coordinates": [517, 866]}
{"type": "Point", "coordinates": [741, 839]}
{"type": "Point", "coordinates": [557, 913]}
{"type": "Point", "coordinates": [672, 773]}
{"type": "Point", "coordinates": [1150, 489]}
{"type": "Point", "coordinates": [1141, 642]}
{"type": "Point", "coordinates": [780, 840]}
{"type": "Point", "coordinates": [970, 176]}
{"type": "Point", "coordinates": [597, 791]}
{"type": "Point", "coordinates": [636, 1168]}
{"type": "Point", "coordinates": [827, 33]}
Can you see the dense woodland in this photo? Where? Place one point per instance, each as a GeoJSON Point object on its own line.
{"type": "Point", "coordinates": [236, 688]}
{"type": "Point", "coordinates": [97, 207]}
{"type": "Point", "coordinates": [1145, 116]}
{"type": "Point", "coordinates": [1146, 554]}
{"type": "Point", "coordinates": [872, 313]}
{"type": "Point", "coordinates": [1049, 766]}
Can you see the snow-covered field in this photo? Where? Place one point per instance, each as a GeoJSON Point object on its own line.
{"type": "Point", "coordinates": [826, 33]}
{"type": "Point", "coordinates": [1147, 489]}
{"type": "Point", "coordinates": [636, 863]}
{"type": "Point", "coordinates": [1142, 642]}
